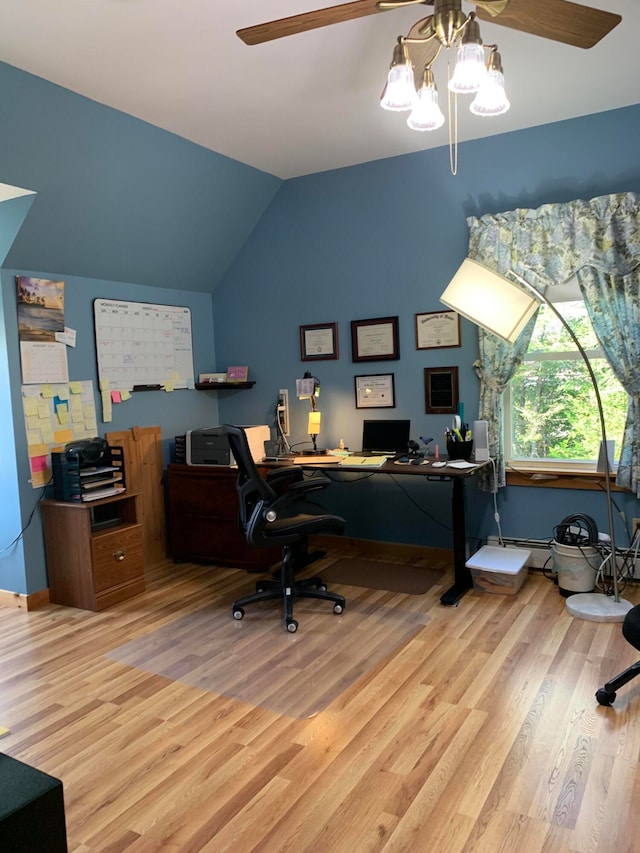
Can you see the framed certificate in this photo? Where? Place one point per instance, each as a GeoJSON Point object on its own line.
{"type": "Point", "coordinates": [441, 390]}
{"type": "Point", "coordinates": [375, 392]}
{"type": "Point", "coordinates": [437, 329]}
{"type": "Point", "coordinates": [319, 342]}
{"type": "Point", "coordinates": [375, 340]}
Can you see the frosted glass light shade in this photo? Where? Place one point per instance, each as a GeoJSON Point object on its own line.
{"type": "Point", "coordinates": [426, 114]}
{"type": "Point", "coordinates": [400, 91]}
{"type": "Point", "coordinates": [490, 300]}
{"type": "Point", "coordinates": [470, 70]}
{"type": "Point", "coordinates": [314, 423]}
{"type": "Point", "coordinates": [491, 99]}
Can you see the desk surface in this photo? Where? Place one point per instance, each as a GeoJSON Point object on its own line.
{"type": "Point", "coordinates": [426, 469]}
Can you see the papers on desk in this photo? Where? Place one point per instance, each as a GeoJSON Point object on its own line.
{"type": "Point", "coordinates": [363, 461]}
{"type": "Point", "coordinates": [461, 463]}
{"type": "Point", "coordinates": [320, 459]}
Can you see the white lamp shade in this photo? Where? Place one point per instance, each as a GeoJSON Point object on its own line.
{"type": "Point", "coordinates": [490, 300]}
{"type": "Point", "coordinates": [314, 423]}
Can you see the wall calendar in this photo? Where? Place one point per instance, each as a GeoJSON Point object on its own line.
{"type": "Point", "coordinates": [142, 346]}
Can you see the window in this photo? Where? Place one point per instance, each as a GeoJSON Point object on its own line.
{"type": "Point", "coordinates": [551, 415]}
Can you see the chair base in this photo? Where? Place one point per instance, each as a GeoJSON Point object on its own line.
{"type": "Point", "coordinates": [607, 694]}
{"type": "Point", "coordinates": [288, 590]}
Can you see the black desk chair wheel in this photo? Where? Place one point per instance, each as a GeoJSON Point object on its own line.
{"type": "Point", "coordinates": [272, 513]}
{"type": "Point", "coordinates": [631, 632]}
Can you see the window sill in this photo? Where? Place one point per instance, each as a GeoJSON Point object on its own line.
{"type": "Point", "coordinates": [558, 478]}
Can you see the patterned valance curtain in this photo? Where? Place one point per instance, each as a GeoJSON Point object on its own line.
{"type": "Point", "coordinates": [599, 242]}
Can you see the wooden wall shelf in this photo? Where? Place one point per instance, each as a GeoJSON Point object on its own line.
{"type": "Point", "coordinates": [222, 386]}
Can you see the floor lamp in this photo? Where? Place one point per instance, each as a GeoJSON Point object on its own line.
{"type": "Point", "coordinates": [503, 305]}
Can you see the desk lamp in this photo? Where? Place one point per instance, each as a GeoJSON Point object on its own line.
{"type": "Point", "coordinates": [504, 306]}
{"type": "Point", "coordinates": [308, 388]}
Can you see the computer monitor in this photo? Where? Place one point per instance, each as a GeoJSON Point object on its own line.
{"type": "Point", "coordinates": [386, 436]}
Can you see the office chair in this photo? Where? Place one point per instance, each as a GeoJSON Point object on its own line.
{"type": "Point", "coordinates": [631, 632]}
{"type": "Point", "coordinates": [272, 513]}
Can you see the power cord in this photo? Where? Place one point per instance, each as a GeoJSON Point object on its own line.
{"type": "Point", "coordinates": [29, 520]}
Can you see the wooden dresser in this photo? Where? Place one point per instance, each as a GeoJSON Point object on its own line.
{"type": "Point", "coordinates": [203, 519]}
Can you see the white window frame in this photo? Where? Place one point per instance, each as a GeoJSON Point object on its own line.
{"type": "Point", "coordinates": [567, 292]}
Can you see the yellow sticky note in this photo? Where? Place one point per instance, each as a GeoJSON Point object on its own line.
{"type": "Point", "coordinates": [62, 392]}
{"type": "Point", "coordinates": [34, 436]}
{"type": "Point", "coordinates": [47, 391]}
{"type": "Point", "coordinates": [44, 412]}
{"type": "Point", "coordinates": [46, 431]}
{"type": "Point", "coordinates": [105, 385]}
{"type": "Point", "coordinates": [91, 426]}
{"type": "Point", "coordinates": [62, 436]}
{"type": "Point", "coordinates": [30, 405]}
{"type": "Point", "coordinates": [124, 394]}
{"type": "Point", "coordinates": [168, 386]}
{"type": "Point", "coordinates": [37, 450]}
{"type": "Point", "coordinates": [63, 413]}
{"type": "Point", "coordinates": [75, 387]}
{"type": "Point", "coordinates": [32, 422]}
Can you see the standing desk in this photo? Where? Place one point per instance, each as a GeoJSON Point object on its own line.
{"type": "Point", "coordinates": [462, 580]}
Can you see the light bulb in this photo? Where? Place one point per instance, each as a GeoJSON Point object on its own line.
{"type": "Point", "coordinates": [426, 114]}
{"type": "Point", "coordinates": [470, 70]}
{"type": "Point", "coordinates": [491, 99]}
{"type": "Point", "coordinates": [400, 91]}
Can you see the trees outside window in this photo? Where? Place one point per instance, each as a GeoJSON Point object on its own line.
{"type": "Point", "coordinates": [550, 408]}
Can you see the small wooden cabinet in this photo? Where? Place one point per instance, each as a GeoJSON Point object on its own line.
{"type": "Point", "coordinates": [203, 519]}
{"type": "Point", "coordinates": [93, 568]}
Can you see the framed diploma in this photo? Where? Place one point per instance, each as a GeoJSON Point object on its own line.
{"type": "Point", "coordinates": [441, 390]}
{"type": "Point", "coordinates": [319, 342]}
{"type": "Point", "coordinates": [375, 340]}
{"type": "Point", "coordinates": [375, 392]}
{"type": "Point", "coordinates": [437, 329]}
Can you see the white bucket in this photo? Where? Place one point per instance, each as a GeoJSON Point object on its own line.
{"type": "Point", "coordinates": [576, 567]}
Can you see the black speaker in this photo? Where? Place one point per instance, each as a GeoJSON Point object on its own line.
{"type": "Point", "coordinates": [579, 531]}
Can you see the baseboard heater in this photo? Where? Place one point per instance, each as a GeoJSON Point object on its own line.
{"type": "Point", "coordinates": [540, 550]}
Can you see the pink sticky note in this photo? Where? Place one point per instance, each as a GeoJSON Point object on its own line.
{"type": "Point", "coordinates": [38, 463]}
{"type": "Point", "coordinates": [116, 397]}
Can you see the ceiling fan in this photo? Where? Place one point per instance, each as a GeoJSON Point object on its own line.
{"type": "Point", "coordinates": [558, 20]}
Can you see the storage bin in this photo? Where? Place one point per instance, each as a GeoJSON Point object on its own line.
{"type": "Point", "coordinates": [499, 570]}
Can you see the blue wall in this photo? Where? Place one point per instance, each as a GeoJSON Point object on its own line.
{"type": "Point", "coordinates": [129, 211]}
{"type": "Point", "coordinates": [384, 239]}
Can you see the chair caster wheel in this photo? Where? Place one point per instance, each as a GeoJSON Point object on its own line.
{"type": "Point", "coordinates": [338, 608]}
{"type": "Point", "coordinates": [322, 587]}
{"type": "Point", "coordinates": [605, 698]}
{"type": "Point", "coordinates": [238, 613]}
{"type": "Point", "coordinates": [292, 626]}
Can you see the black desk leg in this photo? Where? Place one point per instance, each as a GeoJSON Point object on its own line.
{"type": "Point", "coordinates": [462, 580]}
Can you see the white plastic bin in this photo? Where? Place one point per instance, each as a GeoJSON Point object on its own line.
{"type": "Point", "coordinates": [499, 570]}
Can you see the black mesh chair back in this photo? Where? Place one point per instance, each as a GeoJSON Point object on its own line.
{"type": "Point", "coordinates": [274, 510]}
{"type": "Point", "coordinates": [631, 632]}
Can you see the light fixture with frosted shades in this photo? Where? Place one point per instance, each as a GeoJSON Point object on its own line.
{"type": "Point", "coordinates": [474, 71]}
{"type": "Point", "coordinates": [503, 305]}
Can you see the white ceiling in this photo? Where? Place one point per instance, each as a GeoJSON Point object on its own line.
{"type": "Point", "coordinates": [301, 104]}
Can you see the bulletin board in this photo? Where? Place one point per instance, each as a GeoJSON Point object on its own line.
{"type": "Point", "coordinates": [55, 414]}
{"type": "Point", "coordinates": [142, 346]}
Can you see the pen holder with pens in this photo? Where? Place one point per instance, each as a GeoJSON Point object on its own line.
{"type": "Point", "coordinates": [459, 449]}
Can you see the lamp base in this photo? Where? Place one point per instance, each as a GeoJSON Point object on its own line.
{"type": "Point", "coordinates": [597, 607]}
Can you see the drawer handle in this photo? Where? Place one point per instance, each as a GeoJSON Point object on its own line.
{"type": "Point", "coordinates": [119, 555]}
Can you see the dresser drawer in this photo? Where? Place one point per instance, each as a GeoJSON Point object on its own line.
{"type": "Point", "coordinates": [117, 557]}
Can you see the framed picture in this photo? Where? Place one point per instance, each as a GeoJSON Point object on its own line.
{"type": "Point", "coordinates": [375, 340]}
{"type": "Point", "coordinates": [319, 342]}
{"type": "Point", "coordinates": [441, 390]}
{"type": "Point", "coordinates": [437, 329]}
{"type": "Point", "coordinates": [375, 392]}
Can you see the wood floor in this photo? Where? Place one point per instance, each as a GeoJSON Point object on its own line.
{"type": "Point", "coordinates": [480, 733]}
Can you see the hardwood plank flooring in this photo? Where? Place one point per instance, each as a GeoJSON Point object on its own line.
{"type": "Point", "coordinates": [481, 732]}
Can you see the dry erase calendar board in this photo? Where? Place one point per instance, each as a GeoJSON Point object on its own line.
{"type": "Point", "coordinates": [140, 344]}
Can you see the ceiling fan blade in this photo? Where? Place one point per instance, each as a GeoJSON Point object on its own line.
{"type": "Point", "coordinates": [307, 21]}
{"type": "Point", "coordinates": [558, 20]}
